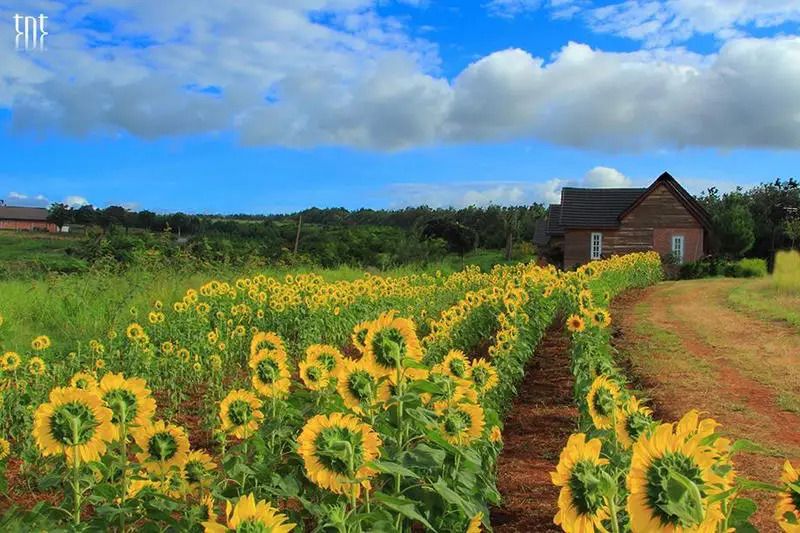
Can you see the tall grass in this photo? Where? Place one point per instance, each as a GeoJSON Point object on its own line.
{"type": "Point", "coordinates": [786, 276]}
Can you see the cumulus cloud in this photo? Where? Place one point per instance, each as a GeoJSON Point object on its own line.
{"type": "Point", "coordinates": [336, 73]}
{"type": "Point", "coordinates": [606, 177]}
{"type": "Point", "coordinates": [26, 200]}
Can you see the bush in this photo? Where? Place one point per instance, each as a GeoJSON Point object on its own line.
{"type": "Point", "coordinates": [711, 266]}
{"type": "Point", "coordinates": [787, 270]}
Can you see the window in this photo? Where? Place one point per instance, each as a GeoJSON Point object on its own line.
{"type": "Point", "coordinates": [677, 247]}
{"type": "Point", "coordinates": [596, 249]}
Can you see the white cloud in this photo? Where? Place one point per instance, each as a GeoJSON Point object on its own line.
{"type": "Point", "coordinates": [75, 201]}
{"type": "Point", "coordinates": [26, 200]}
{"type": "Point", "coordinates": [335, 72]}
{"type": "Point", "coordinates": [606, 177]}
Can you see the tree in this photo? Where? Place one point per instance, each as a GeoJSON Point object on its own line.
{"type": "Point", "coordinates": [792, 229]}
{"type": "Point", "coordinates": [59, 214]}
{"type": "Point", "coordinates": [734, 228]}
{"type": "Point", "coordinates": [459, 238]}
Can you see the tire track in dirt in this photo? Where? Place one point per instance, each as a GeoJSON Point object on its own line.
{"type": "Point", "coordinates": [536, 429]}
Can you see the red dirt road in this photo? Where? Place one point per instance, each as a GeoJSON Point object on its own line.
{"type": "Point", "coordinates": [540, 422]}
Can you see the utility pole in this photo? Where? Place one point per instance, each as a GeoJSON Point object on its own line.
{"type": "Point", "coordinates": [297, 237]}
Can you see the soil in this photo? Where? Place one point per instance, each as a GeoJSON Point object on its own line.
{"type": "Point", "coordinates": [536, 428]}
{"type": "Point", "coordinates": [685, 351]}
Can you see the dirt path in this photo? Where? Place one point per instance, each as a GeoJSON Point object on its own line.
{"type": "Point", "coordinates": [540, 422]}
{"type": "Point", "coordinates": [688, 349]}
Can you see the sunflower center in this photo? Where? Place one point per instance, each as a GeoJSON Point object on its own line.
{"type": "Point", "coordinates": [339, 450]}
{"type": "Point", "coordinates": [604, 402]}
{"type": "Point", "coordinates": [458, 368]}
{"type": "Point", "coordinates": [194, 472]}
{"type": "Point", "coordinates": [162, 446]}
{"type": "Point", "coordinates": [584, 487]}
{"type": "Point", "coordinates": [361, 385]}
{"type": "Point", "coordinates": [658, 479]}
{"type": "Point", "coordinates": [240, 412]}
{"type": "Point", "coordinates": [268, 371]}
{"type": "Point", "coordinates": [123, 405]}
{"type": "Point", "coordinates": [389, 347]}
{"type": "Point", "coordinates": [456, 422]}
{"type": "Point", "coordinates": [328, 360]}
{"type": "Point", "coordinates": [314, 374]}
{"type": "Point", "coordinates": [253, 525]}
{"type": "Point", "coordinates": [73, 424]}
{"type": "Point", "coordinates": [480, 376]}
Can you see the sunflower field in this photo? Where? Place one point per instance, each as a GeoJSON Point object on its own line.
{"type": "Point", "coordinates": [298, 404]}
{"type": "Point", "coordinates": [623, 470]}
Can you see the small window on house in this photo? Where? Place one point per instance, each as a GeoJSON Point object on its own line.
{"type": "Point", "coordinates": [677, 247]}
{"type": "Point", "coordinates": [596, 249]}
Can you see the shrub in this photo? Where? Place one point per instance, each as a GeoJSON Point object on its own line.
{"type": "Point", "coordinates": [712, 266]}
{"type": "Point", "coordinates": [787, 270]}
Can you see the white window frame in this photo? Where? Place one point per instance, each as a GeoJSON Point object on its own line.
{"type": "Point", "coordinates": [596, 246]}
{"type": "Point", "coordinates": [679, 251]}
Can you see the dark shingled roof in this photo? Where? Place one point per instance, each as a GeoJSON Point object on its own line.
{"type": "Point", "coordinates": [595, 208]}
{"type": "Point", "coordinates": [554, 226]}
{"type": "Point", "coordinates": [8, 212]}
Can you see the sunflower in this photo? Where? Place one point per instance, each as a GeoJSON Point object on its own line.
{"type": "Point", "coordinates": [358, 383]}
{"type": "Point", "coordinates": [163, 446]}
{"type": "Point", "coordinates": [83, 380]}
{"type": "Point", "coordinates": [249, 515]}
{"type": "Point", "coordinates": [207, 510]}
{"type": "Point", "coordinates": [10, 361]}
{"type": "Point", "coordinates": [602, 401]}
{"type": "Point", "coordinates": [495, 435]}
{"type": "Point", "coordinates": [198, 468]}
{"type": "Point", "coordinates": [581, 508]}
{"type": "Point", "coordinates": [266, 340]}
{"type": "Point", "coordinates": [271, 377]}
{"type": "Point", "coordinates": [461, 423]}
{"type": "Point", "coordinates": [451, 390]}
{"type": "Point", "coordinates": [575, 323]}
{"type": "Point", "coordinates": [240, 413]}
{"type": "Point", "coordinates": [314, 375]}
{"type": "Point", "coordinates": [688, 449]}
{"type": "Point", "coordinates": [134, 331]}
{"type": "Point", "coordinates": [631, 420]}
{"type": "Point", "coordinates": [599, 317]}
{"type": "Point", "coordinates": [389, 341]}
{"type": "Point", "coordinates": [129, 400]}
{"type": "Point", "coordinates": [5, 448]}
{"type": "Point", "coordinates": [336, 449]}
{"type": "Point", "coordinates": [359, 335]}
{"type": "Point", "coordinates": [484, 375]}
{"type": "Point", "coordinates": [456, 364]}
{"type": "Point", "coordinates": [36, 366]}
{"type": "Point", "coordinates": [326, 354]}
{"type": "Point", "coordinates": [42, 342]}
{"type": "Point", "coordinates": [75, 423]}
{"type": "Point", "coordinates": [787, 512]}
{"type": "Point", "coordinates": [475, 523]}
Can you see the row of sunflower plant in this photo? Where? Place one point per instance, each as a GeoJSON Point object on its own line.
{"type": "Point", "coordinates": [626, 471]}
{"type": "Point", "coordinates": [388, 425]}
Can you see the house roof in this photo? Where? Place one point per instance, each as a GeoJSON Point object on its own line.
{"type": "Point", "coordinates": [8, 212]}
{"type": "Point", "coordinates": [687, 200]}
{"type": "Point", "coordinates": [595, 208]}
{"type": "Point", "coordinates": [554, 226]}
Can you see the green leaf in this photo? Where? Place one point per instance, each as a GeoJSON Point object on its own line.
{"type": "Point", "coordinates": [451, 496]}
{"type": "Point", "coordinates": [403, 506]}
{"type": "Point", "coordinates": [743, 509]}
{"type": "Point", "coordinates": [683, 498]}
{"type": "Point", "coordinates": [389, 467]}
{"type": "Point", "coordinates": [744, 445]}
{"type": "Point", "coordinates": [749, 484]}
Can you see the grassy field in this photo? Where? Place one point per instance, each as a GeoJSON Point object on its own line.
{"type": "Point", "coordinates": [776, 297]}
{"type": "Point", "coordinates": [38, 251]}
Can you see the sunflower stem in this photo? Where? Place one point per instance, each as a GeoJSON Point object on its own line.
{"type": "Point", "coordinates": [76, 472]}
{"type": "Point", "coordinates": [612, 507]}
{"type": "Point", "coordinates": [123, 428]}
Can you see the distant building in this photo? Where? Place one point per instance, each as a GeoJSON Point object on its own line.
{"type": "Point", "coordinates": [591, 224]}
{"type": "Point", "coordinates": [25, 219]}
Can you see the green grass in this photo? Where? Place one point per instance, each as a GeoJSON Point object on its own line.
{"type": "Point", "coordinates": [789, 402]}
{"type": "Point", "coordinates": [27, 252]}
{"type": "Point", "coordinates": [766, 301]}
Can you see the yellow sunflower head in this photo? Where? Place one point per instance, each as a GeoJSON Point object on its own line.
{"type": "Point", "coordinates": [581, 505]}
{"type": "Point", "coordinates": [83, 380]}
{"type": "Point", "coordinates": [5, 449]}
{"type": "Point", "coordinates": [495, 435]}
{"type": "Point", "coordinates": [631, 421]}
{"type": "Point", "coordinates": [461, 423]}
{"type": "Point", "coordinates": [451, 390]}
{"type": "Point", "coordinates": [248, 515]}
{"type": "Point", "coordinates": [599, 317]}
{"type": "Point", "coordinates": [42, 342]}
{"type": "Point", "coordinates": [389, 341]}
{"type": "Point", "coordinates": [325, 354]}
{"type": "Point", "coordinates": [475, 523]}
{"type": "Point", "coordinates": [240, 413]}
{"type": "Point", "coordinates": [164, 446]}
{"type": "Point", "coordinates": [10, 361]}
{"type": "Point", "coordinates": [456, 364]}
{"type": "Point", "coordinates": [266, 340]}
{"type": "Point", "coordinates": [484, 375]}
{"type": "Point", "coordinates": [74, 423]}
{"type": "Point", "coordinates": [271, 376]}
{"type": "Point", "coordinates": [336, 449]}
{"type": "Point", "coordinates": [129, 399]}
{"type": "Point", "coordinates": [602, 401]}
{"type": "Point", "coordinates": [787, 511]}
{"type": "Point", "coordinates": [359, 335]}
{"type": "Point", "coordinates": [671, 457]}
{"type": "Point", "coordinates": [314, 374]}
{"type": "Point", "coordinates": [198, 469]}
{"type": "Point", "coordinates": [358, 383]}
{"type": "Point", "coordinates": [575, 323]}
{"type": "Point", "coordinates": [36, 366]}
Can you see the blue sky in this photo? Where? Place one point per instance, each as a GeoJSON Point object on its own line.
{"type": "Point", "coordinates": [275, 106]}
